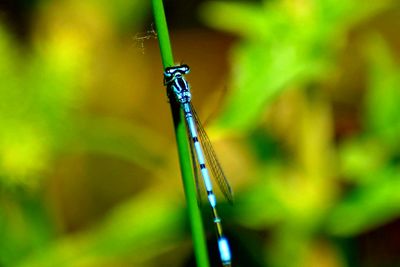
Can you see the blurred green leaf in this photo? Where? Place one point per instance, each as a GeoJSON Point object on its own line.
{"type": "Point", "coordinates": [125, 13]}
{"type": "Point", "coordinates": [38, 95]}
{"type": "Point", "coordinates": [127, 231]}
{"type": "Point", "coordinates": [25, 226]}
{"type": "Point", "coordinates": [367, 206]}
{"type": "Point", "coordinates": [370, 161]}
{"type": "Point", "coordinates": [382, 101]}
{"type": "Point", "coordinates": [119, 139]}
{"type": "Point", "coordinates": [359, 158]}
{"type": "Point", "coordinates": [283, 44]}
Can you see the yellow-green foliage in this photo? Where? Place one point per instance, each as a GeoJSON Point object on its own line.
{"type": "Point", "coordinates": [88, 168]}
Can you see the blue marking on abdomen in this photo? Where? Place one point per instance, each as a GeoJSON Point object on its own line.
{"type": "Point", "coordinates": [224, 250]}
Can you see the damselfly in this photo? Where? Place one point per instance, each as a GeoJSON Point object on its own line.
{"type": "Point", "coordinates": [179, 89]}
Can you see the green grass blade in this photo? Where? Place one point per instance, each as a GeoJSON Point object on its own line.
{"type": "Point", "coordinates": [199, 243]}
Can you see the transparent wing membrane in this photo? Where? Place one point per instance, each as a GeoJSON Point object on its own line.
{"type": "Point", "coordinates": [211, 159]}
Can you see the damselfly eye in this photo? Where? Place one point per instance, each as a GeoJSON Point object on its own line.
{"type": "Point", "coordinates": [185, 68]}
{"type": "Point", "coordinates": [168, 72]}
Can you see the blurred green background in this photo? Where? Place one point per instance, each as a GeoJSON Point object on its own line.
{"type": "Point", "coordinates": [301, 99]}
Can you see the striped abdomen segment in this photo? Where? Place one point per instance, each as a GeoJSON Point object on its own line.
{"type": "Point", "coordinates": [223, 245]}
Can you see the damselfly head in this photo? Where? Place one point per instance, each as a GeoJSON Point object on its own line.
{"type": "Point", "coordinates": [176, 70]}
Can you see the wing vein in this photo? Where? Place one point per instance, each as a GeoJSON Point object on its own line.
{"type": "Point", "coordinates": [212, 159]}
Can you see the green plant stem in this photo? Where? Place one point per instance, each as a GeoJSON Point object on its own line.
{"type": "Point", "coordinates": [199, 243]}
